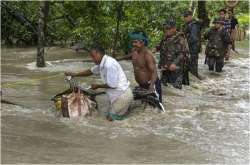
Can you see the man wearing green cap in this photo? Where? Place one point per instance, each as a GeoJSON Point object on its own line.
{"type": "Point", "coordinates": [173, 56]}
{"type": "Point", "coordinates": [218, 42]}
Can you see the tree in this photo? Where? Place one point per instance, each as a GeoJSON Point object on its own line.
{"type": "Point", "coordinates": [12, 19]}
{"type": "Point", "coordinates": [105, 22]}
{"type": "Point", "coordinates": [202, 13]}
{"type": "Point", "coordinates": [44, 9]}
{"type": "Point", "coordinates": [119, 12]}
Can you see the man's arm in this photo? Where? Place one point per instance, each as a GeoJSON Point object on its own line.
{"type": "Point", "coordinates": [96, 86]}
{"type": "Point", "coordinates": [126, 57]}
{"type": "Point", "coordinates": [151, 65]}
{"type": "Point", "coordinates": [79, 74]}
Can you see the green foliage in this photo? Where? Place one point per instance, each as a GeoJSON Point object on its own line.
{"type": "Point", "coordinates": [12, 30]}
{"type": "Point", "coordinates": [244, 20]}
{"type": "Point", "coordinates": [95, 21]}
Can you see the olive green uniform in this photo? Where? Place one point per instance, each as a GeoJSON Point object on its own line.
{"type": "Point", "coordinates": [218, 41]}
{"type": "Point", "coordinates": [174, 50]}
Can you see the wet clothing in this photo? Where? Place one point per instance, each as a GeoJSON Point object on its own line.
{"type": "Point", "coordinates": [146, 96]}
{"type": "Point", "coordinates": [120, 107]}
{"type": "Point", "coordinates": [174, 50]}
{"type": "Point", "coordinates": [216, 63]}
{"type": "Point", "coordinates": [176, 78]}
{"type": "Point", "coordinates": [113, 75]}
{"type": "Point", "coordinates": [193, 65]}
{"type": "Point", "coordinates": [192, 31]}
{"type": "Point", "coordinates": [157, 86]}
{"type": "Point", "coordinates": [218, 41]}
{"type": "Point", "coordinates": [120, 94]}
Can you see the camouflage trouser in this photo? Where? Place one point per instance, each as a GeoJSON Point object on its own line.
{"type": "Point", "coordinates": [176, 78]}
{"type": "Point", "coordinates": [194, 64]}
{"type": "Point", "coordinates": [217, 62]}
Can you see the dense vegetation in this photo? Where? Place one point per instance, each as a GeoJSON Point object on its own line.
{"type": "Point", "coordinates": [106, 22]}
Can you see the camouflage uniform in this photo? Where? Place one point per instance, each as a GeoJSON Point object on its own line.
{"type": "Point", "coordinates": [192, 33]}
{"type": "Point", "coordinates": [174, 49]}
{"type": "Point", "coordinates": [218, 41]}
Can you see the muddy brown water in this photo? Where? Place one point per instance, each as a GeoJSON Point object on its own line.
{"type": "Point", "coordinates": [206, 122]}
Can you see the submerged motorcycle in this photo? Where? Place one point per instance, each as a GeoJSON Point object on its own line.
{"type": "Point", "coordinates": [77, 101]}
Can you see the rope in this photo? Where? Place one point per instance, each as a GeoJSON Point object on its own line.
{"type": "Point", "coordinates": [28, 81]}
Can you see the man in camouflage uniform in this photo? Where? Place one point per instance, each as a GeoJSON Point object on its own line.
{"type": "Point", "coordinates": [192, 32]}
{"type": "Point", "coordinates": [173, 56]}
{"type": "Point", "coordinates": [218, 42]}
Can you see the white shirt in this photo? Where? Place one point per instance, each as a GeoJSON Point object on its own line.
{"type": "Point", "coordinates": [113, 75]}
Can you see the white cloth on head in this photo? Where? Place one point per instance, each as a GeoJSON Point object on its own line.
{"type": "Point", "coordinates": [113, 75]}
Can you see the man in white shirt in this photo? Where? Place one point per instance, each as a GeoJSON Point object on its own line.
{"type": "Point", "coordinates": [115, 81]}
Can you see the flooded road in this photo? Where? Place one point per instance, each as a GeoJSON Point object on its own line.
{"type": "Point", "coordinates": [206, 122]}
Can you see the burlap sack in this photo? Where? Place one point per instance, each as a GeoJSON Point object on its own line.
{"type": "Point", "coordinates": [75, 105]}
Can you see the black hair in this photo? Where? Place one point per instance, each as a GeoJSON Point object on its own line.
{"type": "Point", "coordinates": [98, 48]}
{"type": "Point", "coordinates": [223, 11]}
{"type": "Point", "coordinates": [187, 13]}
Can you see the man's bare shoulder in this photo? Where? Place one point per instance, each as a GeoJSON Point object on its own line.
{"type": "Point", "coordinates": [148, 52]}
{"type": "Point", "coordinates": [149, 55]}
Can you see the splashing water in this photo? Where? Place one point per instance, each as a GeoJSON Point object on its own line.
{"type": "Point", "coordinates": [206, 122]}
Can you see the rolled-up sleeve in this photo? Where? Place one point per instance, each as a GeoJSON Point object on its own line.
{"type": "Point", "coordinates": [95, 70]}
{"type": "Point", "coordinates": [112, 77]}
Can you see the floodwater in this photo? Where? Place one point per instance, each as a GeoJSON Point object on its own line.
{"type": "Point", "coordinates": [206, 122]}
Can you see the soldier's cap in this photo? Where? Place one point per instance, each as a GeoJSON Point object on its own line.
{"type": "Point", "coordinates": [218, 21]}
{"type": "Point", "coordinates": [187, 13]}
{"type": "Point", "coordinates": [169, 24]}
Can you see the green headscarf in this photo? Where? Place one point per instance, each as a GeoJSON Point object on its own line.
{"type": "Point", "coordinates": [139, 36]}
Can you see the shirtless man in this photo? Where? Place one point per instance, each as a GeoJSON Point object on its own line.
{"type": "Point", "coordinates": [144, 65]}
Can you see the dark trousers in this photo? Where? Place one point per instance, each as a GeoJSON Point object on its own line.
{"type": "Point", "coordinates": [157, 88]}
{"type": "Point", "coordinates": [194, 64]}
{"type": "Point", "coordinates": [216, 63]}
{"type": "Point", "coordinates": [176, 78]}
